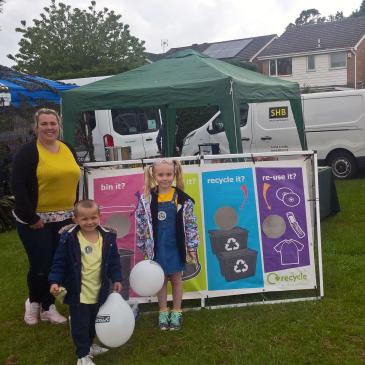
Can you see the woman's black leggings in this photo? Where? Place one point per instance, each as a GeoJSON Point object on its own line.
{"type": "Point", "coordinates": [40, 246]}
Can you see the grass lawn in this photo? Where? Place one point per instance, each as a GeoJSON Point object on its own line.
{"type": "Point", "coordinates": [330, 331]}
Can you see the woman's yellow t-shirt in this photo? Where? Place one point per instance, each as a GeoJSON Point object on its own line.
{"type": "Point", "coordinates": [58, 175]}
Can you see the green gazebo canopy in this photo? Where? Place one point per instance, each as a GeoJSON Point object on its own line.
{"type": "Point", "coordinates": [184, 79]}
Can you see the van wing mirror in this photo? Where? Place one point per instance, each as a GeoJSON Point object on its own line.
{"type": "Point", "coordinates": [216, 126]}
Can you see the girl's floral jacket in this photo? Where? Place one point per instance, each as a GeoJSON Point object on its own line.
{"type": "Point", "coordinates": [187, 235]}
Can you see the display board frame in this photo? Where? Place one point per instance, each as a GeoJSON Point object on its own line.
{"type": "Point", "coordinates": [280, 165]}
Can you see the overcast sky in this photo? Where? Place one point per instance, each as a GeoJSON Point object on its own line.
{"type": "Point", "coordinates": [180, 22]}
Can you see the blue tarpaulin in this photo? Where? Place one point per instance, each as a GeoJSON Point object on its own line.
{"type": "Point", "coordinates": [33, 90]}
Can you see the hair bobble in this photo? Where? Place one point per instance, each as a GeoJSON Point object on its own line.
{"type": "Point", "coordinates": [150, 169]}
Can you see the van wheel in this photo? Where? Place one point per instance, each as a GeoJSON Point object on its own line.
{"type": "Point", "coordinates": [343, 165]}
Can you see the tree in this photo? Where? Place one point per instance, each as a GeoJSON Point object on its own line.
{"type": "Point", "coordinates": [360, 12]}
{"type": "Point", "coordinates": [312, 16]}
{"type": "Point", "coordinates": [67, 43]}
{"type": "Point", "coordinates": [309, 16]}
{"type": "Point", "coordinates": [334, 18]}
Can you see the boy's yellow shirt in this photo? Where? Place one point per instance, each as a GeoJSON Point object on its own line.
{"type": "Point", "coordinates": [91, 256]}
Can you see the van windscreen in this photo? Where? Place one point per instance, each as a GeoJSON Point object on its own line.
{"type": "Point", "coordinates": [126, 122]}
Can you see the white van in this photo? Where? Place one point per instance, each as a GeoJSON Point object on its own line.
{"type": "Point", "coordinates": [134, 128]}
{"type": "Point", "coordinates": [334, 127]}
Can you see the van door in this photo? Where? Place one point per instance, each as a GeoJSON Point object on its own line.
{"type": "Point", "coordinates": [274, 127]}
{"type": "Point", "coordinates": [217, 134]}
{"type": "Point", "coordinates": [246, 127]}
{"type": "Point", "coordinates": [149, 125]}
{"type": "Point", "coordinates": [126, 131]}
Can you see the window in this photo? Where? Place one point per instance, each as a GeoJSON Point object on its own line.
{"type": "Point", "coordinates": [218, 126]}
{"type": "Point", "coordinates": [284, 66]}
{"type": "Point", "coordinates": [126, 122]}
{"type": "Point", "coordinates": [311, 63]}
{"type": "Point", "coordinates": [338, 60]}
{"type": "Point", "coordinates": [150, 121]}
{"type": "Point", "coordinates": [281, 67]}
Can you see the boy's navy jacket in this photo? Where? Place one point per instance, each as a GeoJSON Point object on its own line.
{"type": "Point", "coordinates": [66, 268]}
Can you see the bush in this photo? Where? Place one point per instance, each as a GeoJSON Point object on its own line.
{"type": "Point", "coordinates": [6, 216]}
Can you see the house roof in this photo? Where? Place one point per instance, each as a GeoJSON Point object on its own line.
{"type": "Point", "coordinates": [345, 33]}
{"type": "Point", "coordinates": [243, 49]}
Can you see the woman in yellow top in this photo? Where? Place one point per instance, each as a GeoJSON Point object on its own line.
{"type": "Point", "coordinates": [44, 181]}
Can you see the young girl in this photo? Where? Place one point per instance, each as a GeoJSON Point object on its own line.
{"type": "Point", "coordinates": [167, 232]}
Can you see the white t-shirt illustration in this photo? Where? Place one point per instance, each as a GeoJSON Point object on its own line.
{"type": "Point", "coordinates": [289, 251]}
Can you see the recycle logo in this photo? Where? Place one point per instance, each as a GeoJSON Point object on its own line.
{"type": "Point", "coordinates": [240, 266]}
{"type": "Point", "coordinates": [232, 244]}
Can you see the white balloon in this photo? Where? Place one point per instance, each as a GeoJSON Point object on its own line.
{"type": "Point", "coordinates": [115, 321]}
{"type": "Point", "coordinates": [146, 278]}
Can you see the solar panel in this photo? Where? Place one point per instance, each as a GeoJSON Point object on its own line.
{"type": "Point", "coordinates": [226, 49]}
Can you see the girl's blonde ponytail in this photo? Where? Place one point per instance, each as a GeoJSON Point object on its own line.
{"type": "Point", "coordinates": [148, 180]}
{"type": "Point", "coordinates": [179, 175]}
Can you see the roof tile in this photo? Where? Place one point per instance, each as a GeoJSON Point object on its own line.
{"type": "Point", "coordinates": [345, 33]}
{"type": "Point", "coordinates": [256, 44]}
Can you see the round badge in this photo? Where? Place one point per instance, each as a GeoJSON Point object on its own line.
{"type": "Point", "coordinates": [161, 216]}
{"type": "Point", "coordinates": [88, 249]}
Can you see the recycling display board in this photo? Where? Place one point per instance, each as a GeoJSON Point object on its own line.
{"type": "Point", "coordinates": [254, 223]}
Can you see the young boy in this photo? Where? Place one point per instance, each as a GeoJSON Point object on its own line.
{"type": "Point", "coordinates": [87, 251]}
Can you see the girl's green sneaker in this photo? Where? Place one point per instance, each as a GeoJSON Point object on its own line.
{"type": "Point", "coordinates": [164, 321]}
{"type": "Point", "coordinates": [175, 320]}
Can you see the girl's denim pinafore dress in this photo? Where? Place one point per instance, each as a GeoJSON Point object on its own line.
{"type": "Point", "coordinates": [167, 254]}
